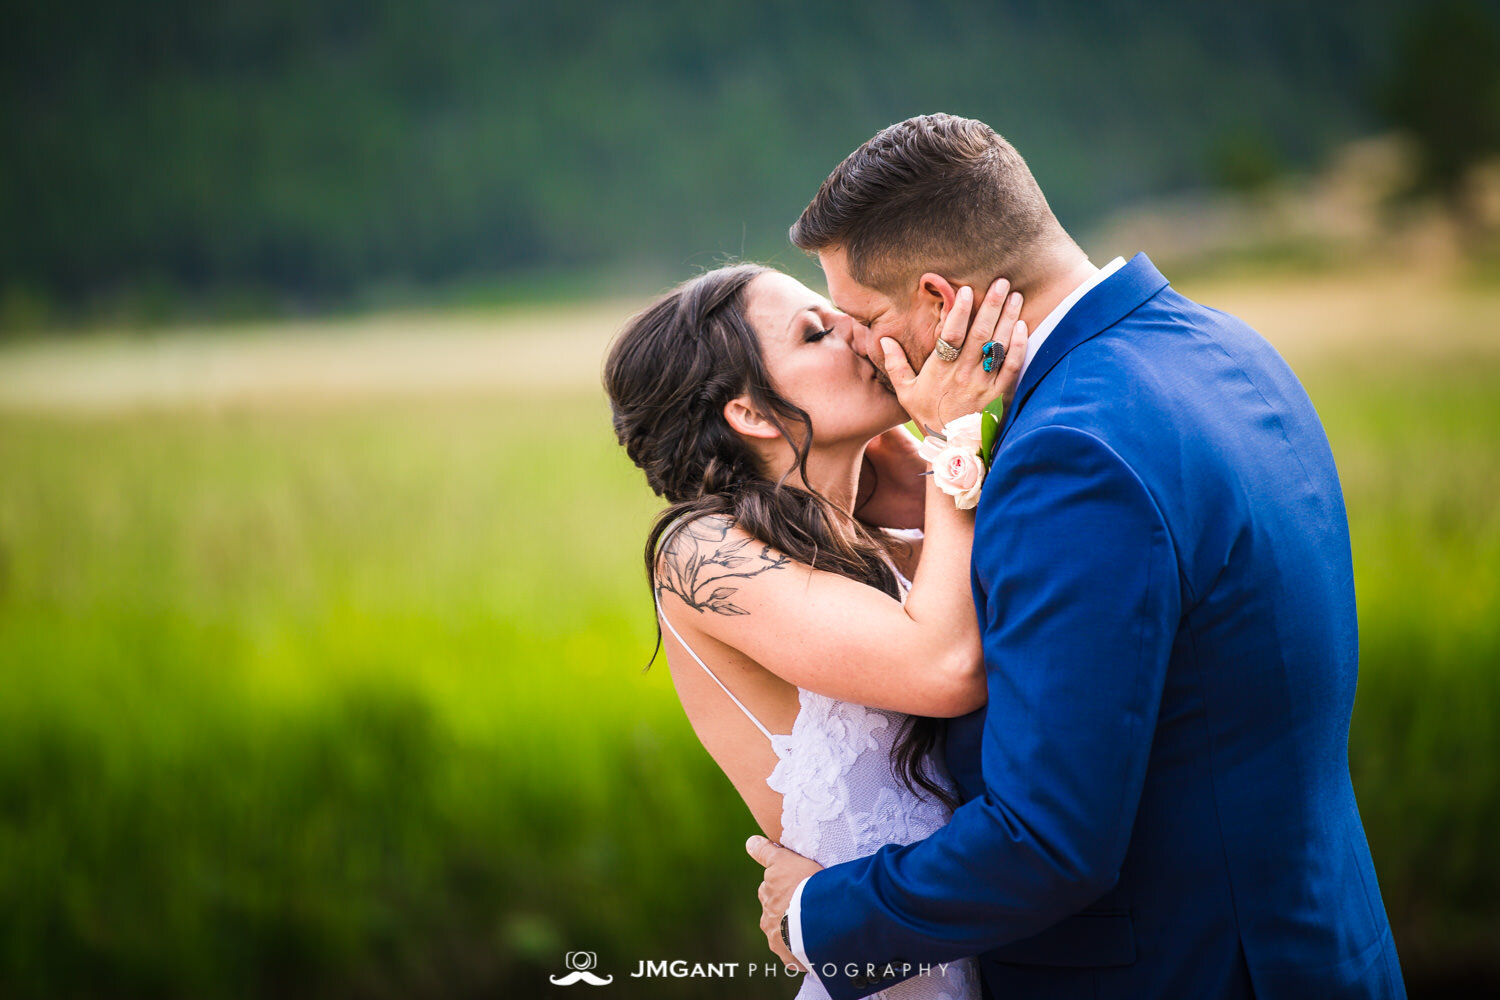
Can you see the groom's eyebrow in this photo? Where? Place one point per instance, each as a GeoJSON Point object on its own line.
{"type": "Point", "coordinates": [852, 315]}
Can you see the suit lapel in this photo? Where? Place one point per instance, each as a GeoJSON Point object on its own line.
{"type": "Point", "coordinates": [1106, 304]}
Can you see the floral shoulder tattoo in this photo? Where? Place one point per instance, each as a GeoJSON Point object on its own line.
{"type": "Point", "coordinates": [699, 557]}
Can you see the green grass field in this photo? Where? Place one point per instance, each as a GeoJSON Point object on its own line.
{"type": "Point", "coordinates": [345, 699]}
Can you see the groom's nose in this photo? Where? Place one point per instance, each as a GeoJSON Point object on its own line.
{"type": "Point", "coordinates": [861, 339]}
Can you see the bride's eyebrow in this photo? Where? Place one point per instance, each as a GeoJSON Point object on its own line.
{"type": "Point", "coordinates": [798, 314]}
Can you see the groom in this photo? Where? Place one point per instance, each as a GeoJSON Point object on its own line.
{"type": "Point", "coordinates": [1156, 799]}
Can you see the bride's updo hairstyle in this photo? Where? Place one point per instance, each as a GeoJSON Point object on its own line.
{"type": "Point", "coordinates": [669, 375]}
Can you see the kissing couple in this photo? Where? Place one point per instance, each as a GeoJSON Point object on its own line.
{"type": "Point", "coordinates": [1054, 703]}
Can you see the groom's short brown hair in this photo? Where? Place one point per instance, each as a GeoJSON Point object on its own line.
{"type": "Point", "coordinates": [932, 193]}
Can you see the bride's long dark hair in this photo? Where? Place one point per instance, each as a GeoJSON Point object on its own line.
{"type": "Point", "coordinates": [668, 376]}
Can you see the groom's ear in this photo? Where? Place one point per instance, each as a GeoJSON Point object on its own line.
{"type": "Point", "coordinates": [934, 293]}
{"type": "Point", "coordinates": [745, 419]}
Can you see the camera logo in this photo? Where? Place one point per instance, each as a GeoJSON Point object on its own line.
{"type": "Point", "coordinates": [581, 962]}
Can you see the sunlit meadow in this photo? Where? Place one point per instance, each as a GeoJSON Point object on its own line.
{"type": "Point", "coordinates": [345, 697]}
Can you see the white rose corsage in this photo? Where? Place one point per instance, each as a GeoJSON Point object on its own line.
{"type": "Point", "coordinates": [960, 454]}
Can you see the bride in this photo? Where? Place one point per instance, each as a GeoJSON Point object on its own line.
{"type": "Point", "coordinates": [815, 655]}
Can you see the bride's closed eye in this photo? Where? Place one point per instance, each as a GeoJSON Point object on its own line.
{"type": "Point", "coordinates": [816, 335]}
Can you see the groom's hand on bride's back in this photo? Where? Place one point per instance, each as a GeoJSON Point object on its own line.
{"type": "Point", "coordinates": [785, 870]}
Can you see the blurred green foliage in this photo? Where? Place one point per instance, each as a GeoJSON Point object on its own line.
{"type": "Point", "coordinates": [1420, 471]}
{"type": "Point", "coordinates": [316, 152]}
{"type": "Point", "coordinates": [1443, 90]}
{"type": "Point", "coordinates": [347, 700]}
{"type": "Point", "coordinates": [1244, 162]}
{"type": "Point", "coordinates": [341, 704]}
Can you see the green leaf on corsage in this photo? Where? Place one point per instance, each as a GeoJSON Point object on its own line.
{"type": "Point", "coordinates": [989, 428]}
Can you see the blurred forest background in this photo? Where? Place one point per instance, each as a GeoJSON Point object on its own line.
{"type": "Point", "coordinates": [177, 158]}
{"type": "Point", "coordinates": [321, 612]}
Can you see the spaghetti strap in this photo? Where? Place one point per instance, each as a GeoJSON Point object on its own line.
{"type": "Point", "coordinates": [683, 642]}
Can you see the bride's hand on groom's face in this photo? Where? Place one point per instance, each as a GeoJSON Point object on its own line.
{"type": "Point", "coordinates": [785, 870]}
{"type": "Point", "coordinates": [944, 390]}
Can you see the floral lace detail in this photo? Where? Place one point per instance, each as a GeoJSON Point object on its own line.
{"type": "Point", "coordinates": [843, 799]}
{"type": "Point", "coordinates": [896, 819]}
{"type": "Point", "coordinates": [813, 765]}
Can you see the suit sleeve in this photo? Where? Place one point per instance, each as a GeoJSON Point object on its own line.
{"type": "Point", "coordinates": [1078, 592]}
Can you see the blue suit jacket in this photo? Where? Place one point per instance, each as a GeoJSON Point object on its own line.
{"type": "Point", "coordinates": [1157, 796]}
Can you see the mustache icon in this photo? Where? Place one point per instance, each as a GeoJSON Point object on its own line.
{"type": "Point", "coordinates": [580, 976]}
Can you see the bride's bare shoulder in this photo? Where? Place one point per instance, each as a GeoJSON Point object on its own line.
{"type": "Point", "coordinates": [705, 561]}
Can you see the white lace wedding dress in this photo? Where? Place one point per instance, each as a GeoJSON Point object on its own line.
{"type": "Point", "coordinates": [842, 799]}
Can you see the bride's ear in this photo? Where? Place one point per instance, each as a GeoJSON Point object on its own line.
{"type": "Point", "coordinates": [745, 419]}
{"type": "Point", "coordinates": [935, 292]}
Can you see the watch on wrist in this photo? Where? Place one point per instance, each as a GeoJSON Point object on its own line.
{"type": "Point", "coordinates": [786, 929]}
